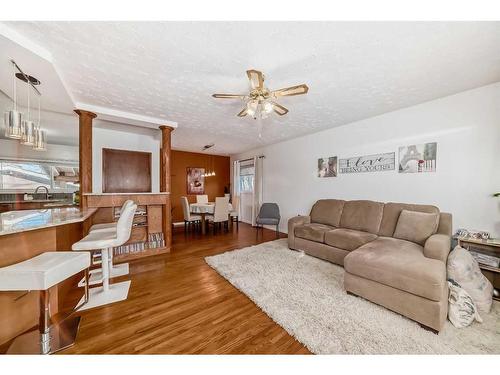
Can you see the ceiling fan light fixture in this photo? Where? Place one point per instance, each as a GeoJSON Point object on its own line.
{"type": "Point", "coordinates": [260, 101]}
{"type": "Point", "coordinates": [252, 106]}
{"type": "Point", "coordinates": [268, 107]}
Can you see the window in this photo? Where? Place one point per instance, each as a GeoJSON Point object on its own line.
{"type": "Point", "coordinates": [27, 175]}
{"type": "Point", "coordinates": [246, 184]}
{"type": "Point", "coordinates": [247, 172]}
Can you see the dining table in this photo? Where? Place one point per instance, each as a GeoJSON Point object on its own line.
{"type": "Point", "coordinates": [203, 209]}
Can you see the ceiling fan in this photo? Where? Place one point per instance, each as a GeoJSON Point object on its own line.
{"type": "Point", "coordinates": [261, 101]}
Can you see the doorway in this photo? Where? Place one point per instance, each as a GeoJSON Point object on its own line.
{"type": "Point", "coordinates": [247, 176]}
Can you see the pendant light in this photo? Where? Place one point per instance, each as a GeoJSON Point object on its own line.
{"type": "Point", "coordinates": [13, 118]}
{"type": "Point", "coordinates": [40, 139]}
{"type": "Point", "coordinates": [28, 126]}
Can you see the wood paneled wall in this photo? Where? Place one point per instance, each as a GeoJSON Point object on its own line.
{"type": "Point", "coordinates": [214, 186]}
{"type": "Point", "coordinates": [125, 171]}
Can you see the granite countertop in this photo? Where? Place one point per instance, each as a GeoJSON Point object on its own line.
{"type": "Point", "coordinates": [25, 220]}
{"type": "Point", "coordinates": [36, 201]}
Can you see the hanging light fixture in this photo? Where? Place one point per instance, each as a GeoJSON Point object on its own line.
{"type": "Point", "coordinates": [13, 118]}
{"type": "Point", "coordinates": [28, 126]}
{"type": "Point", "coordinates": [29, 133]}
{"type": "Point", "coordinates": [40, 139]}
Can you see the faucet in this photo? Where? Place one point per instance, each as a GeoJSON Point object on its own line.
{"type": "Point", "coordinates": [47, 196]}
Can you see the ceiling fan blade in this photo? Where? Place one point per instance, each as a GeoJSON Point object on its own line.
{"type": "Point", "coordinates": [256, 78]}
{"type": "Point", "coordinates": [243, 113]}
{"type": "Point", "coordinates": [293, 90]}
{"type": "Point", "coordinates": [228, 96]}
{"type": "Point", "coordinates": [279, 109]}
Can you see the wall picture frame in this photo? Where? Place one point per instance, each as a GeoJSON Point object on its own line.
{"type": "Point", "coordinates": [327, 167]}
{"type": "Point", "coordinates": [368, 163]}
{"type": "Point", "coordinates": [418, 158]}
{"type": "Point", "coordinates": [195, 180]}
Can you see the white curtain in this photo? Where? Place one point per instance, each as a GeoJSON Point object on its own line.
{"type": "Point", "coordinates": [257, 187]}
{"type": "Point", "coordinates": [236, 185]}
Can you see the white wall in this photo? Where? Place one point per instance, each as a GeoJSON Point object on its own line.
{"type": "Point", "coordinates": [466, 127]}
{"type": "Point", "coordinates": [10, 148]}
{"type": "Point", "coordinates": [124, 137]}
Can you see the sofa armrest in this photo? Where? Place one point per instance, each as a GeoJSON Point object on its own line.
{"type": "Point", "coordinates": [438, 247]}
{"type": "Point", "coordinates": [292, 223]}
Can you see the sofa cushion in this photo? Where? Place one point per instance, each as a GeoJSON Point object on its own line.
{"type": "Point", "coordinates": [399, 264]}
{"type": "Point", "coordinates": [348, 239]}
{"type": "Point", "coordinates": [327, 211]}
{"type": "Point", "coordinates": [312, 232]}
{"type": "Point", "coordinates": [362, 215]}
{"type": "Point", "coordinates": [391, 215]}
{"type": "Point", "coordinates": [416, 226]}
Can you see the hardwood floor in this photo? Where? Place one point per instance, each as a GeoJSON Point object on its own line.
{"type": "Point", "coordinates": [177, 304]}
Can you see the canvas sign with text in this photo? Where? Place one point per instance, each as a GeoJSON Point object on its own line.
{"type": "Point", "coordinates": [368, 163]}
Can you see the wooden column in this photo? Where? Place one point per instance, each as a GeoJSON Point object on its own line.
{"type": "Point", "coordinates": [165, 152]}
{"type": "Point", "coordinates": [85, 153]}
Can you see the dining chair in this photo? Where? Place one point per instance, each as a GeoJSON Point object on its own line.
{"type": "Point", "coordinates": [235, 212]}
{"type": "Point", "coordinates": [269, 214]}
{"type": "Point", "coordinates": [203, 198]}
{"type": "Point", "coordinates": [221, 213]}
{"type": "Point", "coordinates": [189, 219]}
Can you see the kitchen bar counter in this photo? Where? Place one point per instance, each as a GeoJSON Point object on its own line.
{"type": "Point", "coordinates": [35, 204]}
{"type": "Point", "coordinates": [35, 201]}
{"type": "Point", "coordinates": [25, 220]}
{"type": "Point", "coordinates": [25, 234]}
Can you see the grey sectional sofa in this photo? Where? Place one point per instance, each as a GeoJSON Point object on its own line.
{"type": "Point", "coordinates": [394, 254]}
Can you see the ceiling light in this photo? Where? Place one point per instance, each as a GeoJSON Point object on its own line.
{"type": "Point", "coordinates": [13, 118]}
{"type": "Point", "coordinates": [40, 143]}
{"type": "Point", "coordinates": [268, 107]}
{"type": "Point", "coordinates": [40, 139]}
{"type": "Point", "coordinates": [28, 126]}
{"type": "Point", "coordinates": [260, 100]}
{"type": "Point", "coordinates": [252, 107]}
{"type": "Point", "coordinates": [26, 131]}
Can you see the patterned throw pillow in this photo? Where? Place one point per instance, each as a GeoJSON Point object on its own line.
{"type": "Point", "coordinates": [462, 310]}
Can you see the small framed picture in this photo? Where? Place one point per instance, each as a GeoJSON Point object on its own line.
{"type": "Point", "coordinates": [327, 167]}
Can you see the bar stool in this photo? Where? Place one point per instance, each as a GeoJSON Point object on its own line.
{"type": "Point", "coordinates": [104, 241]}
{"type": "Point", "coordinates": [114, 270]}
{"type": "Point", "coordinates": [41, 273]}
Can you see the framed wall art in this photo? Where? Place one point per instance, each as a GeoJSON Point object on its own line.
{"type": "Point", "coordinates": [418, 158]}
{"type": "Point", "coordinates": [195, 181]}
{"type": "Point", "coordinates": [327, 167]}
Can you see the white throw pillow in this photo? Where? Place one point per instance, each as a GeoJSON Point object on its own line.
{"type": "Point", "coordinates": [464, 269]}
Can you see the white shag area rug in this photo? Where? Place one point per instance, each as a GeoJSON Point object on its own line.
{"type": "Point", "coordinates": [306, 297]}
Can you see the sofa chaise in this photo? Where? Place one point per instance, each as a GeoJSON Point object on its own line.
{"type": "Point", "coordinates": [394, 254]}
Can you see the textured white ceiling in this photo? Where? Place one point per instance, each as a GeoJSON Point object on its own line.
{"type": "Point", "coordinates": [354, 70]}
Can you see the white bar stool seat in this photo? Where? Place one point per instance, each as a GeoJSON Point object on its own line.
{"type": "Point", "coordinates": [105, 241]}
{"type": "Point", "coordinates": [114, 270]}
{"type": "Point", "coordinates": [111, 226]}
{"type": "Point", "coordinates": [41, 273]}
